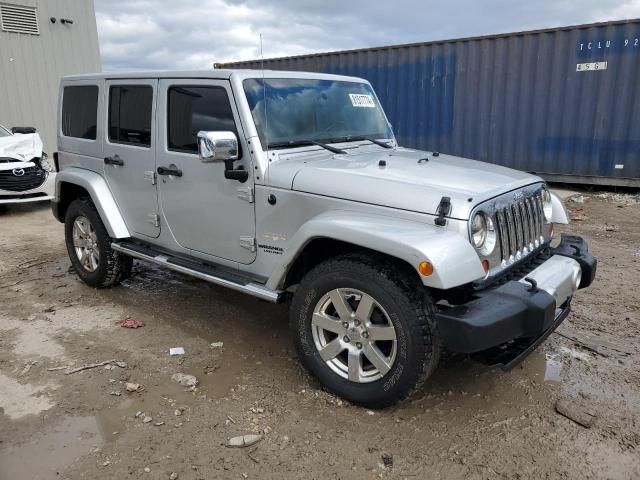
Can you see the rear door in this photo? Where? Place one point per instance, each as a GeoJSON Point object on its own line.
{"type": "Point", "coordinates": [129, 153]}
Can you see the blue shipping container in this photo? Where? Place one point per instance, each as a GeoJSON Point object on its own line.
{"type": "Point", "coordinates": [563, 102]}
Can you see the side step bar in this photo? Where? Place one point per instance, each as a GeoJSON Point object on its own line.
{"type": "Point", "coordinates": [198, 271]}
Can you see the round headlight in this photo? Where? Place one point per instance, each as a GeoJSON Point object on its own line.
{"type": "Point", "coordinates": [547, 208]}
{"type": "Point", "coordinates": [479, 229]}
{"type": "Point", "coordinates": [483, 233]}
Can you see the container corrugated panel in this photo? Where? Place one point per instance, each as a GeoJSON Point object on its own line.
{"type": "Point", "coordinates": [563, 102]}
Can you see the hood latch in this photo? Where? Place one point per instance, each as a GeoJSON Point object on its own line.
{"type": "Point", "coordinates": [444, 208]}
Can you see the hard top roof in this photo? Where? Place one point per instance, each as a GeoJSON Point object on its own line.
{"type": "Point", "coordinates": [210, 74]}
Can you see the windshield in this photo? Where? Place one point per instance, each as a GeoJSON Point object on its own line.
{"type": "Point", "coordinates": [4, 132]}
{"type": "Point", "coordinates": [304, 110]}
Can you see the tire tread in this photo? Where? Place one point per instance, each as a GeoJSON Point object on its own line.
{"type": "Point", "coordinates": [117, 265]}
{"type": "Point", "coordinates": [408, 285]}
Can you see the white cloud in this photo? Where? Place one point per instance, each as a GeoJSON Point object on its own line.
{"type": "Point", "coordinates": [623, 10]}
{"type": "Point", "coordinates": [163, 34]}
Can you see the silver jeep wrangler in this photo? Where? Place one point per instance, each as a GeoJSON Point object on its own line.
{"type": "Point", "coordinates": [291, 187]}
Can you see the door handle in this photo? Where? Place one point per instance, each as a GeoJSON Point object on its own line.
{"type": "Point", "coordinates": [172, 170]}
{"type": "Point", "coordinates": [113, 161]}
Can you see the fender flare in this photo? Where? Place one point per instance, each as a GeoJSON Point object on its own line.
{"type": "Point", "coordinates": [455, 261]}
{"type": "Point", "coordinates": [100, 195]}
{"type": "Point", "coordinates": [558, 212]}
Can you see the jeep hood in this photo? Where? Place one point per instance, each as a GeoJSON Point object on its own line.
{"type": "Point", "coordinates": [21, 147]}
{"type": "Point", "coordinates": [410, 180]}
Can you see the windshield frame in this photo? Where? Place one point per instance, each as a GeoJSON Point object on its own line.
{"type": "Point", "coordinates": [387, 136]}
{"type": "Point", "coordinates": [5, 130]}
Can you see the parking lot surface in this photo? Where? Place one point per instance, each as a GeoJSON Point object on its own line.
{"type": "Point", "coordinates": [570, 410]}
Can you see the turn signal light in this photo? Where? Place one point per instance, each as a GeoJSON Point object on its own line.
{"type": "Point", "coordinates": [425, 268]}
{"type": "Point", "coordinates": [485, 266]}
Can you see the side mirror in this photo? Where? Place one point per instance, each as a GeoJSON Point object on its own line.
{"type": "Point", "coordinates": [221, 147]}
{"type": "Point", "coordinates": [217, 146]}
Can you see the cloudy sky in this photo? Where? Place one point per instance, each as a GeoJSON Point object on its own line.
{"type": "Point", "coordinates": [186, 34]}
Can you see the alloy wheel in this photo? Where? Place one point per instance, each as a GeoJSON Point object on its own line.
{"type": "Point", "coordinates": [354, 335]}
{"type": "Point", "coordinates": [85, 243]}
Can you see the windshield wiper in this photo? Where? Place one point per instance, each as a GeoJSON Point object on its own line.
{"type": "Point", "coordinates": [360, 138]}
{"type": "Point", "coordinates": [302, 143]}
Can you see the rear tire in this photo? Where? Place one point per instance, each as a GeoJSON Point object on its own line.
{"type": "Point", "coordinates": [386, 349]}
{"type": "Point", "coordinates": [89, 247]}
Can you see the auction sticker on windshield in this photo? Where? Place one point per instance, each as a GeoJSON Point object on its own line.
{"type": "Point", "coordinates": [360, 100]}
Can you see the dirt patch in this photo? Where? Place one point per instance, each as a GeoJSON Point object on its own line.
{"type": "Point", "coordinates": [468, 421]}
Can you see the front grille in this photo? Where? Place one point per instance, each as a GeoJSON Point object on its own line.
{"type": "Point", "coordinates": [518, 271]}
{"type": "Point", "coordinates": [22, 196]}
{"type": "Point", "coordinates": [520, 227]}
{"type": "Point", "coordinates": [32, 178]}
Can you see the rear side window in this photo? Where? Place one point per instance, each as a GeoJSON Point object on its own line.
{"type": "Point", "coordinates": [130, 114]}
{"type": "Point", "coordinates": [192, 109]}
{"type": "Point", "coordinates": [80, 111]}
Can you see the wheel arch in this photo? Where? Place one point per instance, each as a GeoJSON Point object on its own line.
{"type": "Point", "coordinates": [559, 213]}
{"type": "Point", "coordinates": [66, 193]}
{"type": "Point", "coordinates": [78, 183]}
{"type": "Point", "coordinates": [321, 249]}
{"type": "Point", "coordinates": [454, 260]}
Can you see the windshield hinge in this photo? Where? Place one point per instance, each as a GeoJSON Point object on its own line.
{"type": "Point", "coordinates": [246, 193]}
{"type": "Point", "coordinates": [248, 242]}
{"type": "Point", "coordinates": [444, 208]}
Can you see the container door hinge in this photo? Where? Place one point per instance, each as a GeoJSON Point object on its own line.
{"type": "Point", "coordinates": [154, 219]}
{"type": "Point", "coordinates": [151, 176]}
{"type": "Point", "coordinates": [246, 193]}
{"type": "Point", "coordinates": [249, 243]}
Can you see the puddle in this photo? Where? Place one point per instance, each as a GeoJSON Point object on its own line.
{"type": "Point", "coordinates": [158, 402]}
{"type": "Point", "coordinates": [540, 366]}
{"type": "Point", "coordinates": [44, 457]}
{"type": "Point", "coordinates": [553, 368]}
{"type": "Point", "coordinates": [231, 365]}
{"type": "Point", "coordinates": [573, 353]}
{"type": "Point", "coordinates": [217, 377]}
{"type": "Point", "coordinates": [111, 421]}
{"type": "Point", "coordinates": [468, 388]}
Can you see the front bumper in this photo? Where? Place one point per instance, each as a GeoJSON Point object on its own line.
{"type": "Point", "coordinates": [507, 322]}
{"type": "Point", "coordinates": [46, 191]}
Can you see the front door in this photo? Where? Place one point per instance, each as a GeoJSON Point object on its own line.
{"type": "Point", "coordinates": [129, 153]}
{"type": "Point", "coordinates": [205, 212]}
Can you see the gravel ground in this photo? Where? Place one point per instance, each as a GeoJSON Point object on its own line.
{"type": "Point", "coordinates": [468, 421]}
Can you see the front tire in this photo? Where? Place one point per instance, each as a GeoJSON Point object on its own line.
{"type": "Point", "coordinates": [364, 326]}
{"type": "Point", "coordinates": [89, 247]}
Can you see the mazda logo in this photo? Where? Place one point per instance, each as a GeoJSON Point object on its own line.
{"type": "Point", "coordinates": [18, 172]}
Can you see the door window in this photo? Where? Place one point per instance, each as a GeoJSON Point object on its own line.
{"type": "Point", "coordinates": [80, 111]}
{"type": "Point", "coordinates": [196, 108]}
{"type": "Point", "coordinates": [130, 114]}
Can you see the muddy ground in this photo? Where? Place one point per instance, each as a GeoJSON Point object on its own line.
{"type": "Point", "coordinates": [469, 421]}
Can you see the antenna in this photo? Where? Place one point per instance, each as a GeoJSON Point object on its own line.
{"type": "Point", "coordinates": [266, 111]}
